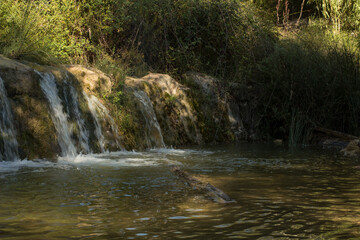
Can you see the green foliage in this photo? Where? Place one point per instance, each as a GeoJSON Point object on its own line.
{"type": "Point", "coordinates": [312, 79]}
{"type": "Point", "coordinates": [216, 37]}
{"type": "Point", "coordinates": [20, 34]}
{"type": "Point", "coordinates": [56, 31]}
{"type": "Point", "coordinates": [40, 31]}
{"type": "Point", "coordinates": [305, 79]}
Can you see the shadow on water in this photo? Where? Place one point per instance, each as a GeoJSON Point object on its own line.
{"type": "Point", "coordinates": [280, 194]}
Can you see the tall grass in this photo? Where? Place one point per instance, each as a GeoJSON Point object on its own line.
{"type": "Point", "coordinates": [41, 31]}
{"type": "Point", "coordinates": [316, 74]}
{"type": "Point", "coordinates": [341, 14]}
{"type": "Point", "coordinates": [21, 36]}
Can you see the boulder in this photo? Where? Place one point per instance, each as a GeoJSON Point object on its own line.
{"type": "Point", "coordinates": [91, 79]}
{"type": "Point", "coordinates": [175, 114]}
{"type": "Point", "coordinates": [352, 149]}
{"type": "Point", "coordinates": [18, 78]}
{"type": "Point", "coordinates": [208, 84]}
{"type": "Point", "coordinates": [218, 111]}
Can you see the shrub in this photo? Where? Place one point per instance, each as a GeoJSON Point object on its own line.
{"type": "Point", "coordinates": [312, 77]}
{"type": "Point", "coordinates": [215, 37]}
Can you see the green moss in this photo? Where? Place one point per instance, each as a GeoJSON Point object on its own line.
{"type": "Point", "coordinates": [37, 135]}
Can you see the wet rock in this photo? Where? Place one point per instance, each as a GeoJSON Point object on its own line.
{"type": "Point", "coordinates": [352, 149]}
{"type": "Point", "coordinates": [35, 132]}
{"type": "Point", "coordinates": [18, 78]}
{"type": "Point", "coordinates": [219, 112]}
{"type": "Point", "coordinates": [206, 83]}
{"type": "Point", "coordinates": [175, 114]}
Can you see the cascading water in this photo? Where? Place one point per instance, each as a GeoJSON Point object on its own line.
{"type": "Point", "coordinates": [72, 105]}
{"type": "Point", "coordinates": [106, 115]}
{"type": "Point", "coordinates": [154, 135]}
{"type": "Point", "coordinates": [96, 107]}
{"type": "Point", "coordinates": [98, 131]}
{"type": "Point", "coordinates": [58, 116]}
{"type": "Point", "coordinates": [8, 136]}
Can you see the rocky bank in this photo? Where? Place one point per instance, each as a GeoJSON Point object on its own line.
{"type": "Point", "coordinates": [165, 111]}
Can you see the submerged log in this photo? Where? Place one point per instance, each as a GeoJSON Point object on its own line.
{"type": "Point", "coordinates": [210, 191]}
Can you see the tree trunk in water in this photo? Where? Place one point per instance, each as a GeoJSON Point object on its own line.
{"type": "Point", "coordinates": [210, 191]}
{"type": "Point", "coordinates": [336, 134]}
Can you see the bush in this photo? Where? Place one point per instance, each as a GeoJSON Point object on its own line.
{"type": "Point", "coordinates": [20, 33]}
{"type": "Point", "coordinates": [215, 37]}
{"type": "Point", "coordinates": [311, 79]}
{"type": "Point", "coordinates": [54, 31]}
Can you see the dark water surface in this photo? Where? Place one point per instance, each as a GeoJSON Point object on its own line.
{"type": "Point", "coordinates": [280, 194]}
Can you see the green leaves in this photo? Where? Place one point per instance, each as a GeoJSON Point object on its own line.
{"type": "Point", "coordinates": [314, 81]}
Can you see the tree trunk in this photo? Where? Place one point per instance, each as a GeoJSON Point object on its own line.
{"type": "Point", "coordinates": [210, 191]}
{"type": "Point", "coordinates": [336, 134]}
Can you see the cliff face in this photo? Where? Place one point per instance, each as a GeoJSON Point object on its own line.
{"type": "Point", "coordinates": [56, 112]}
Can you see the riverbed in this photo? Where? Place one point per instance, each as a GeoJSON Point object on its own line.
{"type": "Point", "coordinates": [280, 193]}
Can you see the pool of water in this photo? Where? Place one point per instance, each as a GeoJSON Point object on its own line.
{"type": "Point", "coordinates": [280, 193]}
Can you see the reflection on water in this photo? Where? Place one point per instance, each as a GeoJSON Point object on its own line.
{"type": "Point", "coordinates": [280, 194]}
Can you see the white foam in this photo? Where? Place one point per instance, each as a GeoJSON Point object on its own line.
{"type": "Point", "coordinates": [172, 151]}
{"type": "Point", "coordinates": [154, 157]}
{"type": "Point", "coordinates": [115, 154]}
{"type": "Point", "coordinates": [116, 159]}
{"type": "Point", "coordinates": [14, 166]}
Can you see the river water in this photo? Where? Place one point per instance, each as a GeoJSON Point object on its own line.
{"type": "Point", "coordinates": [279, 193]}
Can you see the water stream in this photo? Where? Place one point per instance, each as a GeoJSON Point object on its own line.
{"type": "Point", "coordinates": [96, 107]}
{"type": "Point", "coordinates": [280, 194]}
{"type": "Point", "coordinates": [9, 151]}
{"type": "Point", "coordinates": [98, 131]}
{"type": "Point", "coordinates": [72, 105]}
{"type": "Point", "coordinates": [152, 128]}
{"type": "Point", "coordinates": [58, 116]}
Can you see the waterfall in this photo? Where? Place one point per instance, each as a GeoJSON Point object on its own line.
{"type": "Point", "coordinates": [72, 106]}
{"type": "Point", "coordinates": [98, 131]}
{"type": "Point", "coordinates": [8, 136]}
{"type": "Point", "coordinates": [58, 116]}
{"type": "Point", "coordinates": [154, 135]}
{"type": "Point", "coordinates": [106, 115]}
{"type": "Point", "coordinates": [97, 108]}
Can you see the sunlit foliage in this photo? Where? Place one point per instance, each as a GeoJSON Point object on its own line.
{"type": "Point", "coordinates": [306, 73]}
